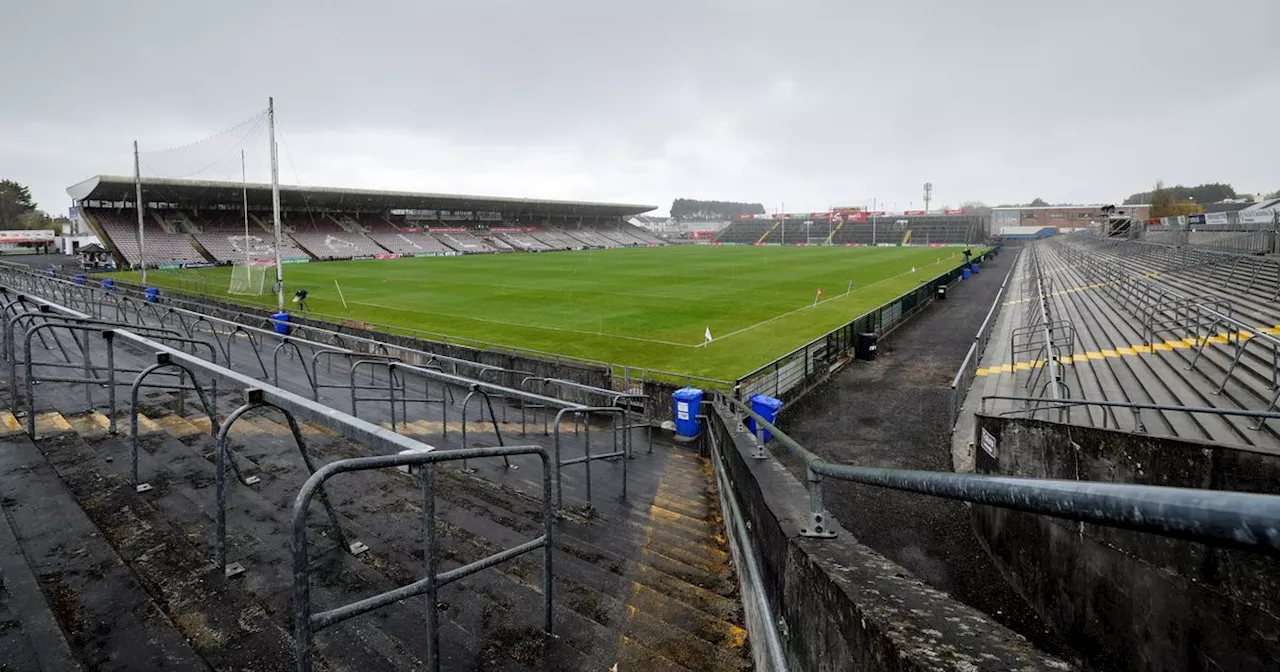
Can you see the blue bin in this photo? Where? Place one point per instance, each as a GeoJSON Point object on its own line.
{"type": "Point", "coordinates": [964, 273]}
{"type": "Point", "coordinates": [688, 403]}
{"type": "Point", "coordinates": [151, 294]}
{"type": "Point", "coordinates": [765, 407]}
{"type": "Point", "coordinates": [80, 278]}
{"type": "Point", "coordinates": [108, 284]}
{"type": "Point", "coordinates": [280, 322]}
{"type": "Point", "coordinates": [976, 267]}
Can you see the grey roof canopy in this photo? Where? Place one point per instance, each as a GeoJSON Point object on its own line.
{"type": "Point", "coordinates": [200, 193]}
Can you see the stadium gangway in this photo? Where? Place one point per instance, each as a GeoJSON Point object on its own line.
{"type": "Point", "coordinates": [1219, 518]}
{"type": "Point", "coordinates": [973, 357]}
{"type": "Point", "coordinates": [615, 399]}
{"type": "Point", "coordinates": [397, 451]}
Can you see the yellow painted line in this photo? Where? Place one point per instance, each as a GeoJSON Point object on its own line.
{"type": "Point", "coordinates": [51, 423]}
{"type": "Point", "coordinates": [1121, 351]}
{"type": "Point", "coordinates": [10, 422]}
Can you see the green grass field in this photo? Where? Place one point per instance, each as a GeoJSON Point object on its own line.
{"type": "Point", "coordinates": [644, 307]}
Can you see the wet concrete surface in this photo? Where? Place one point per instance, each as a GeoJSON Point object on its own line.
{"type": "Point", "coordinates": [893, 413]}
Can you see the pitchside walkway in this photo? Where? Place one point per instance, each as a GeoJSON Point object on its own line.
{"type": "Point", "coordinates": [100, 576]}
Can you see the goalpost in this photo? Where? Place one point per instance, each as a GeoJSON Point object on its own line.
{"type": "Point", "coordinates": [249, 279]}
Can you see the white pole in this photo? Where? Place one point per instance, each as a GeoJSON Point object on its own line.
{"type": "Point", "coordinates": [137, 198]}
{"type": "Point", "coordinates": [275, 199]}
{"type": "Point", "coordinates": [873, 222]}
{"type": "Point", "coordinates": [244, 185]}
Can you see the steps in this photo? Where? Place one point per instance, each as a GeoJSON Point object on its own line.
{"type": "Point", "coordinates": [765, 236]}
{"type": "Point", "coordinates": [644, 585]}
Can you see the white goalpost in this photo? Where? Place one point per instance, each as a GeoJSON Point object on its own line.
{"type": "Point", "coordinates": [249, 279]}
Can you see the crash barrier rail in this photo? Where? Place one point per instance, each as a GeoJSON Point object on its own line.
{"type": "Point", "coordinates": [307, 622]}
{"type": "Point", "coordinates": [1040, 403]}
{"type": "Point", "coordinates": [973, 357]}
{"type": "Point", "coordinates": [792, 370]}
{"type": "Point", "coordinates": [406, 452]}
{"type": "Point", "coordinates": [1164, 310]}
{"type": "Point", "coordinates": [1213, 517]}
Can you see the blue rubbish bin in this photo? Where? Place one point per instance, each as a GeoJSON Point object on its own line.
{"type": "Point", "coordinates": [108, 284]}
{"type": "Point", "coordinates": [976, 267]}
{"type": "Point", "coordinates": [280, 322]}
{"type": "Point", "coordinates": [151, 294]}
{"type": "Point", "coordinates": [80, 278]}
{"type": "Point", "coordinates": [964, 273]}
{"type": "Point", "coordinates": [765, 407]}
{"type": "Point", "coordinates": [688, 403]}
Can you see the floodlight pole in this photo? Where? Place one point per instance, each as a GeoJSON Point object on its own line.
{"type": "Point", "coordinates": [137, 201]}
{"type": "Point", "coordinates": [873, 222]}
{"type": "Point", "coordinates": [275, 199]}
{"type": "Point", "coordinates": [244, 189]}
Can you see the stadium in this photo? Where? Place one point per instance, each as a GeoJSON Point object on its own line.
{"type": "Point", "coordinates": [272, 426]}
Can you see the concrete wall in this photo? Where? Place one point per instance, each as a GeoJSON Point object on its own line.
{"type": "Point", "coordinates": [841, 605]}
{"type": "Point", "coordinates": [1127, 600]}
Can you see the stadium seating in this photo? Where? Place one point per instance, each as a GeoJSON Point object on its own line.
{"type": "Point", "coordinates": [462, 241]}
{"type": "Point", "coordinates": [640, 234]}
{"type": "Point", "coordinates": [521, 240]}
{"type": "Point", "coordinates": [324, 238]}
{"type": "Point", "coordinates": [556, 239]}
{"type": "Point", "coordinates": [121, 228]}
{"type": "Point", "coordinates": [402, 241]}
{"type": "Point", "coordinates": [745, 231]}
{"type": "Point", "coordinates": [589, 237]}
{"type": "Point", "coordinates": [222, 235]}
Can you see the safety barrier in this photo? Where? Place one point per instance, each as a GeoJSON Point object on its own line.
{"type": "Point", "coordinates": [973, 357]}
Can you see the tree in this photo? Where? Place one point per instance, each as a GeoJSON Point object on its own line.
{"type": "Point", "coordinates": [1167, 203]}
{"type": "Point", "coordinates": [1203, 193]}
{"type": "Point", "coordinates": [15, 201]}
{"type": "Point", "coordinates": [975, 208]}
{"type": "Point", "coordinates": [688, 208]}
{"type": "Point", "coordinates": [38, 219]}
{"type": "Point", "coordinates": [1275, 195]}
{"type": "Point", "coordinates": [1038, 203]}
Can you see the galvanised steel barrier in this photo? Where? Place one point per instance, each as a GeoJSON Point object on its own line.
{"type": "Point", "coordinates": [1214, 517]}
{"type": "Point", "coordinates": [403, 451]}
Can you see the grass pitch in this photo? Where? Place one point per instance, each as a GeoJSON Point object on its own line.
{"type": "Point", "coordinates": [644, 307]}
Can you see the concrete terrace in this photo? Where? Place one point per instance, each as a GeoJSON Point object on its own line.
{"type": "Point", "coordinates": [1136, 323]}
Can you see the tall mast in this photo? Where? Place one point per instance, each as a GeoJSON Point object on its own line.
{"type": "Point", "coordinates": [137, 202]}
{"type": "Point", "coordinates": [275, 199]}
{"type": "Point", "coordinates": [244, 185]}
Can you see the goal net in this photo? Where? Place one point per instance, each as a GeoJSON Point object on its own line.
{"type": "Point", "coordinates": [249, 279]}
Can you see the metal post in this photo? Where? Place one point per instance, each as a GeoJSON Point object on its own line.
{"type": "Point", "coordinates": [428, 476]}
{"type": "Point", "coordinates": [137, 186]}
{"type": "Point", "coordinates": [275, 199]}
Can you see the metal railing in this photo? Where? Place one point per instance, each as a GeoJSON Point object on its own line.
{"type": "Point", "coordinates": [1214, 517]}
{"type": "Point", "coordinates": [259, 394]}
{"type": "Point", "coordinates": [307, 623]}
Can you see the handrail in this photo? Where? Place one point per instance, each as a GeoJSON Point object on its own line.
{"type": "Point", "coordinates": [969, 365]}
{"type": "Point", "coordinates": [306, 623]}
{"type": "Point", "coordinates": [1215, 517]}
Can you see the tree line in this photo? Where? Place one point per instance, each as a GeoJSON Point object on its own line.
{"type": "Point", "coordinates": [689, 208]}
{"type": "Point", "coordinates": [18, 211]}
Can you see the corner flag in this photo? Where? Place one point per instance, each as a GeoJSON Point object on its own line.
{"type": "Point", "coordinates": [707, 337]}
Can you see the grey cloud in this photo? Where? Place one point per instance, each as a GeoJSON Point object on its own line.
{"type": "Point", "coordinates": [810, 103]}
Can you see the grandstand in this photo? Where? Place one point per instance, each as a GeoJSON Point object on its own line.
{"type": "Point", "coordinates": [855, 229]}
{"type": "Point", "coordinates": [192, 222]}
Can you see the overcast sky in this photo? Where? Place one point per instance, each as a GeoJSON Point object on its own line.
{"type": "Point", "coordinates": [809, 103]}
